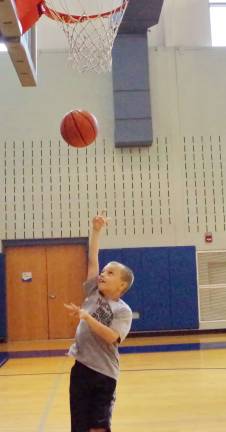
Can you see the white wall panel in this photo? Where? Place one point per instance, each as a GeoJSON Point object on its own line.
{"type": "Point", "coordinates": [75, 193]}
{"type": "Point", "coordinates": [28, 189]}
{"type": "Point", "coordinates": [46, 188]}
{"type": "Point", "coordinates": [9, 216]}
{"type": "Point", "coordinates": [64, 191]}
{"type": "Point", "coordinates": [183, 23]}
{"type": "Point", "coordinates": [109, 182]}
{"type": "Point", "coordinates": [19, 189]}
{"type": "Point", "coordinates": [188, 106]}
{"type": "Point", "coordinates": [201, 90]}
{"type": "Point", "coordinates": [170, 193]}
{"type": "Point", "coordinates": [82, 180]}
{"type": "Point", "coordinates": [37, 182]}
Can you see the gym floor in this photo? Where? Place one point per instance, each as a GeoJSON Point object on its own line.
{"type": "Point", "coordinates": [167, 384]}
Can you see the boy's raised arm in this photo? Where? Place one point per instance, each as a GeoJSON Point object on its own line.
{"type": "Point", "coordinates": [98, 223]}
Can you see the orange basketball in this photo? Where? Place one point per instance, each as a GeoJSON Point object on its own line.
{"type": "Point", "coordinates": [79, 128]}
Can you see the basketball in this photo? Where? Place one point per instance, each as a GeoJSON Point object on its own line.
{"type": "Point", "coordinates": [79, 128]}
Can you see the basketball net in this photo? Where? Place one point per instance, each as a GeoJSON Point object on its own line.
{"type": "Point", "coordinates": [90, 29]}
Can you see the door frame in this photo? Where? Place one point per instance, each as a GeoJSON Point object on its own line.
{"type": "Point", "coordinates": [37, 242]}
{"type": "Point", "coordinates": [44, 242]}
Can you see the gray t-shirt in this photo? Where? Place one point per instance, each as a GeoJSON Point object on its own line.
{"type": "Point", "coordinates": [92, 350]}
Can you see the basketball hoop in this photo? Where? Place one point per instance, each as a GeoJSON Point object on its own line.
{"type": "Point", "coordinates": [90, 27]}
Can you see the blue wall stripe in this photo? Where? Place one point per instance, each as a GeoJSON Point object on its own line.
{"type": "Point", "coordinates": [141, 349]}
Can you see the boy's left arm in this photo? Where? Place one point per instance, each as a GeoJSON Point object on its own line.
{"type": "Point", "coordinates": [109, 335]}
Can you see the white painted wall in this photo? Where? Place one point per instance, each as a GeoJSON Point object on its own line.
{"type": "Point", "coordinates": [188, 105]}
{"type": "Point", "coordinates": [50, 35]}
{"type": "Point", "coordinates": [183, 23]}
{"type": "Point", "coordinates": [50, 190]}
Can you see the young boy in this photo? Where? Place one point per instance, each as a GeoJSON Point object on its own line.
{"type": "Point", "coordinates": [105, 321]}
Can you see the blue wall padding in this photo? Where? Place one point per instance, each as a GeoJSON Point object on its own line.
{"type": "Point", "coordinates": [183, 282]}
{"type": "Point", "coordinates": [156, 292]}
{"type": "Point", "coordinates": [165, 288]}
{"type": "Point", "coordinates": [134, 297]}
{"type": "Point", "coordinates": [131, 258]}
{"type": "Point", "coordinates": [2, 298]}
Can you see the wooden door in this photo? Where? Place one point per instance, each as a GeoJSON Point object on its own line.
{"type": "Point", "coordinates": [66, 272]}
{"type": "Point", "coordinates": [40, 279]}
{"type": "Point", "coordinates": [27, 304]}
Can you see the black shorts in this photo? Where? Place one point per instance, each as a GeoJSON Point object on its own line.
{"type": "Point", "coordinates": [92, 397]}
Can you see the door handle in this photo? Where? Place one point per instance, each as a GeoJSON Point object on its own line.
{"type": "Point", "coordinates": [52, 296]}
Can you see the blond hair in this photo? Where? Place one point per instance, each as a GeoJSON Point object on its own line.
{"type": "Point", "coordinates": [126, 275]}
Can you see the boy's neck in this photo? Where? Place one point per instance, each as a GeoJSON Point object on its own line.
{"type": "Point", "coordinates": [116, 299]}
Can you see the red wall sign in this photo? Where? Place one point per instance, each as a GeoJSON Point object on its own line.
{"type": "Point", "coordinates": [208, 237]}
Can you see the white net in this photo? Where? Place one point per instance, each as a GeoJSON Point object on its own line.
{"type": "Point", "coordinates": [90, 27]}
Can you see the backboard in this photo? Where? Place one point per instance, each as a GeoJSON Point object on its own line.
{"type": "Point", "coordinates": [21, 47]}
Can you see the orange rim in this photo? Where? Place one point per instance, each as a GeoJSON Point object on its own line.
{"type": "Point", "coordinates": [72, 19]}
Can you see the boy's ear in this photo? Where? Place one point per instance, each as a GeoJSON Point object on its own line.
{"type": "Point", "coordinates": [123, 285]}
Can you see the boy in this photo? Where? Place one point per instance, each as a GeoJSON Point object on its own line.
{"type": "Point", "coordinates": [105, 321]}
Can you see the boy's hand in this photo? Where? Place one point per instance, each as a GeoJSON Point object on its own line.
{"type": "Point", "coordinates": [76, 311]}
{"type": "Point", "coordinates": [100, 221]}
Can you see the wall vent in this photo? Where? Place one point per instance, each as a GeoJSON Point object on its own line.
{"type": "Point", "coordinates": [212, 289]}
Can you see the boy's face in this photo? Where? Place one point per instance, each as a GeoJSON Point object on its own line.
{"type": "Point", "coordinates": [110, 282]}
